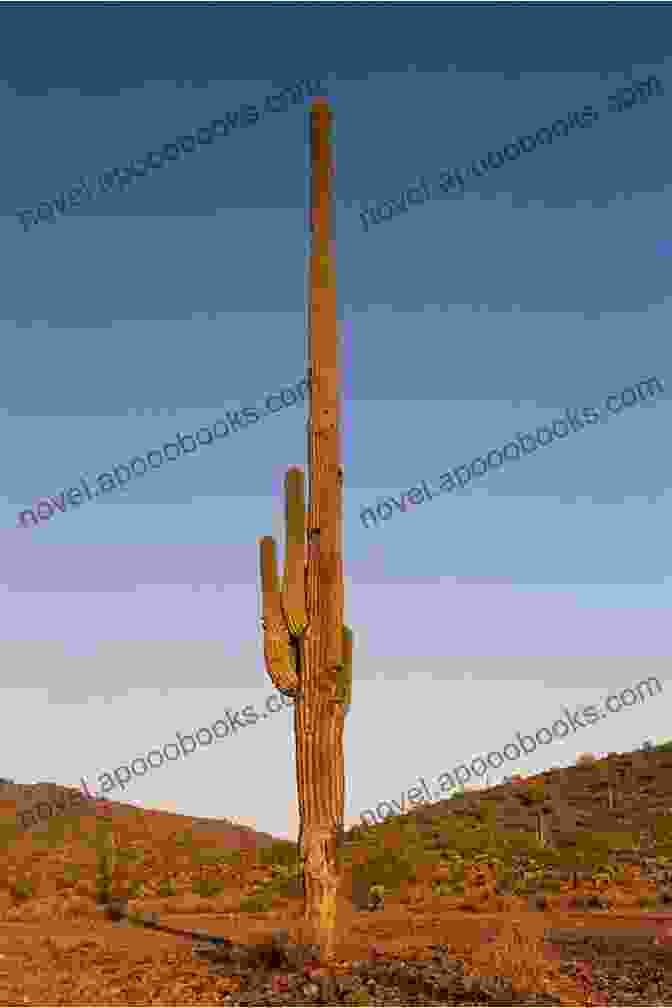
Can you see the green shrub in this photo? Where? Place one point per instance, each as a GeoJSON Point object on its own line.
{"type": "Point", "coordinates": [280, 852]}
{"type": "Point", "coordinates": [9, 831]}
{"type": "Point", "coordinates": [55, 836]}
{"type": "Point", "coordinates": [72, 874]}
{"type": "Point", "coordinates": [662, 828]}
{"type": "Point", "coordinates": [103, 838]}
{"type": "Point", "coordinates": [207, 887]}
{"type": "Point", "coordinates": [167, 888]}
{"type": "Point", "coordinates": [282, 872]}
{"type": "Point", "coordinates": [387, 867]}
{"type": "Point", "coordinates": [548, 857]}
{"type": "Point", "coordinates": [605, 873]}
{"type": "Point", "coordinates": [456, 872]}
{"type": "Point", "coordinates": [443, 887]}
{"type": "Point", "coordinates": [136, 888]}
{"type": "Point", "coordinates": [505, 877]}
{"type": "Point", "coordinates": [233, 858]}
{"type": "Point", "coordinates": [647, 902]}
{"type": "Point", "coordinates": [358, 998]}
{"type": "Point", "coordinates": [211, 856]}
{"type": "Point", "coordinates": [520, 842]}
{"type": "Point", "coordinates": [610, 840]}
{"type": "Point", "coordinates": [286, 882]}
{"type": "Point", "coordinates": [23, 889]}
{"type": "Point", "coordinates": [472, 841]}
{"type": "Point", "coordinates": [450, 856]}
{"type": "Point", "coordinates": [131, 855]}
{"type": "Point", "coordinates": [256, 903]}
{"type": "Point", "coordinates": [185, 838]}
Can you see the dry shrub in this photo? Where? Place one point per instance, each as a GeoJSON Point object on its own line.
{"type": "Point", "coordinates": [519, 954]}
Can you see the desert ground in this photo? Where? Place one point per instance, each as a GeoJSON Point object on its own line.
{"type": "Point", "coordinates": [551, 890]}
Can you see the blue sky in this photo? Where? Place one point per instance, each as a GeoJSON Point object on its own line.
{"type": "Point", "coordinates": [473, 316]}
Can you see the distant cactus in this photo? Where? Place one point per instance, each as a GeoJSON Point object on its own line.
{"type": "Point", "coordinates": [107, 862]}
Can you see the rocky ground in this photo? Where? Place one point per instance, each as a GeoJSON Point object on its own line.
{"type": "Point", "coordinates": [626, 970]}
{"type": "Point", "coordinates": [278, 974]}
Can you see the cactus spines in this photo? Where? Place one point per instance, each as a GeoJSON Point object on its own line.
{"type": "Point", "coordinates": [294, 581]}
{"type": "Point", "coordinates": [279, 652]}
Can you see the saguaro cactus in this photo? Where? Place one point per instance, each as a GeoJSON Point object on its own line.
{"type": "Point", "coordinates": [107, 862]}
{"type": "Point", "coordinates": [308, 650]}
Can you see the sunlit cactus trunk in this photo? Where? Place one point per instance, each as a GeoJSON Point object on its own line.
{"type": "Point", "coordinates": [307, 648]}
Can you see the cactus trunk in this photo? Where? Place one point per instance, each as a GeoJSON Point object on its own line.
{"type": "Point", "coordinates": [319, 716]}
{"type": "Point", "coordinates": [306, 646]}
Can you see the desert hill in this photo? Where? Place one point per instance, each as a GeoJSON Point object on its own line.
{"type": "Point", "coordinates": [484, 876]}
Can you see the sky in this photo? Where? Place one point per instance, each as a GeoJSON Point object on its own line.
{"type": "Point", "coordinates": [471, 317]}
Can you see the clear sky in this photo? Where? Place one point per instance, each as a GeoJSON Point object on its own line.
{"type": "Point", "coordinates": [465, 320]}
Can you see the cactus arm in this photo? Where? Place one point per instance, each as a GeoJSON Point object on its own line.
{"type": "Point", "coordinates": [294, 581]}
{"type": "Point", "coordinates": [279, 655]}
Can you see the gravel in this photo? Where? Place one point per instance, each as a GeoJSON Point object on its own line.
{"type": "Point", "coordinates": [626, 970]}
{"type": "Point", "coordinates": [278, 973]}
{"type": "Point", "coordinates": [622, 967]}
